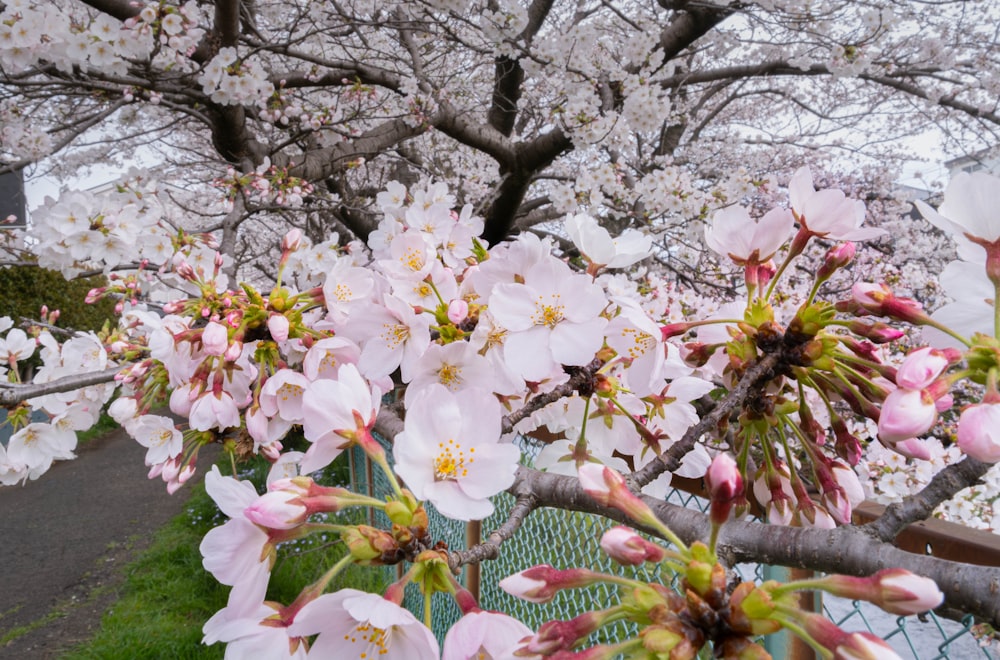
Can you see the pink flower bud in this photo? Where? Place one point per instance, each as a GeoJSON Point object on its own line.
{"type": "Point", "coordinates": [921, 368]}
{"type": "Point", "coordinates": [847, 445]}
{"type": "Point", "coordinates": [234, 351]}
{"type": "Point", "coordinates": [912, 448]}
{"type": "Point", "coordinates": [540, 584]}
{"type": "Point", "coordinates": [214, 338]}
{"type": "Point", "coordinates": [555, 636]}
{"type": "Point", "coordinates": [186, 271]}
{"type": "Point", "coordinates": [277, 325]}
{"type": "Point", "coordinates": [272, 451]}
{"type": "Point", "coordinates": [186, 473]}
{"type": "Point", "coordinates": [849, 493]}
{"type": "Point", "coordinates": [609, 489]}
{"type": "Point", "coordinates": [780, 511]}
{"type": "Point", "coordinates": [628, 548]}
{"type": "Point", "coordinates": [879, 333]}
{"type": "Point", "coordinates": [864, 646]}
{"type": "Point", "coordinates": [458, 311]}
{"type": "Point", "coordinates": [895, 590]}
{"type": "Point", "coordinates": [278, 509]}
{"type": "Point", "coordinates": [836, 257]}
{"type": "Point", "coordinates": [725, 486]}
{"type": "Point", "coordinates": [180, 402]}
{"type": "Point", "coordinates": [879, 299]}
{"type": "Point", "coordinates": [870, 295]}
{"type": "Point", "coordinates": [906, 414]}
{"type": "Point", "coordinates": [979, 432]}
{"type": "Point", "coordinates": [814, 515]}
{"type": "Point", "coordinates": [674, 329]}
{"type": "Point", "coordinates": [171, 468]}
{"type": "Point", "coordinates": [292, 240]}
{"type": "Point", "coordinates": [837, 504]}
{"type": "Point", "coordinates": [902, 592]}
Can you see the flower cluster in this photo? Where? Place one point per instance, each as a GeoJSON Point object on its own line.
{"type": "Point", "coordinates": [480, 342]}
{"type": "Point", "coordinates": [266, 185]}
{"type": "Point", "coordinates": [229, 80]}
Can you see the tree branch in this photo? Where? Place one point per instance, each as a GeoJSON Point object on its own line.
{"type": "Point", "coordinates": [576, 381]}
{"type": "Point", "coordinates": [967, 588]}
{"type": "Point", "coordinates": [490, 548]}
{"type": "Point", "coordinates": [919, 506]}
{"type": "Point", "coordinates": [755, 376]}
{"type": "Point", "coordinates": [530, 158]}
{"type": "Point", "coordinates": [13, 393]}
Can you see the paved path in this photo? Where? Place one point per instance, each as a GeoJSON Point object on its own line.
{"type": "Point", "coordinates": [65, 537]}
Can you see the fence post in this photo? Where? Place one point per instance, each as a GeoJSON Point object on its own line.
{"type": "Point", "coordinates": [784, 644]}
{"type": "Point", "coordinates": [473, 535]}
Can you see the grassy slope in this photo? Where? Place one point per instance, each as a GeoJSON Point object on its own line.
{"type": "Point", "coordinates": [168, 596]}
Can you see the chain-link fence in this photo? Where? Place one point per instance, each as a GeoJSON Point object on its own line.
{"type": "Point", "coordinates": [567, 539]}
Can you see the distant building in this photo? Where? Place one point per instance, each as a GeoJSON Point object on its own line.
{"type": "Point", "coordinates": [987, 160]}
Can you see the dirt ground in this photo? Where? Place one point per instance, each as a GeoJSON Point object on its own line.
{"type": "Point", "coordinates": [65, 538]}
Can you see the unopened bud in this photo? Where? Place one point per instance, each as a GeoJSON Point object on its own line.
{"type": "Point", "coordinates": [215, 338]}
{"type": "Point", "coordinates": [878, 332]}
{"type": "Point", "coordinates": [458, 311]}
{"type": "Point", "coordinates": [399, 513]}
{"type": "Point", "coordinates": [674, 329]}
{"type": "Point", "coordinates": [292, 240]}
{"type": "Point", "coordinates": [609, 489]}
{"type": "Point", "coordinates": [277, 325]}
{"type": "Point", "coordinates": [836, 257]}
{"type": "Point", "coordinates": [879, 299]}
{"type": "Point", "coordinates": [628, 548]}
{"type": "Point", "coordinates": [895, 590]}
{"type": "Point", "coordinates": [725, 485]}
{"type": "Point", "coordinates": [367, 544]}
{"type": "Point", "coordinates": [540, 584]}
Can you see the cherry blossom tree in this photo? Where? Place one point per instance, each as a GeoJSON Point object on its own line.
{"type": "Point", "coordinates": [414, 163]}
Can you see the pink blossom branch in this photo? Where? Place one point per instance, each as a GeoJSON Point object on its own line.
{"type": "Point", "coordinates": [761, 371]}
{"type": "Point", "coordinates": [579, 379]}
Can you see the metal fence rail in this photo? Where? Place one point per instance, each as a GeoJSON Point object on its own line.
{"type": "Point", "coordinates": [568, 539]}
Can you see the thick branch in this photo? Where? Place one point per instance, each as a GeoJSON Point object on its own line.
{"type": "Point", "coordinates": [120, 9]}
{"type": "Point", "coordinates": [485, 138]}
{"type": "Point", "coordinates": [919, 506]}
{"type": "Point", "coordinates": [227, 22]}
{"type": "Point", "coordinates": [689, 26]}
{"type": "Point", "coordinates": [11, 394]}
{"type": "Point", "coordinates": [506, 92]}
{"type": "Point", "coordinates": [531, 157]}
{"type": "Point", "coordinates": [848, 550]}
{"type": "Point", "coordinates": [318, 164]}
{"type": "Point", "coordinates": [783, 68]}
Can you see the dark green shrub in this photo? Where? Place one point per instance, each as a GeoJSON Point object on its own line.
{"type": "Point", "coordinates": [26, 288]}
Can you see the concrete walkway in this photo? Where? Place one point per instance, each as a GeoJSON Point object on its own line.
{"type": "Point", "coordinates": [65, 538]}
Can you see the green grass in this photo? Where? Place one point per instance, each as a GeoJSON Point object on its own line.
{"type": "Point", "coordinates": [168, 596]}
